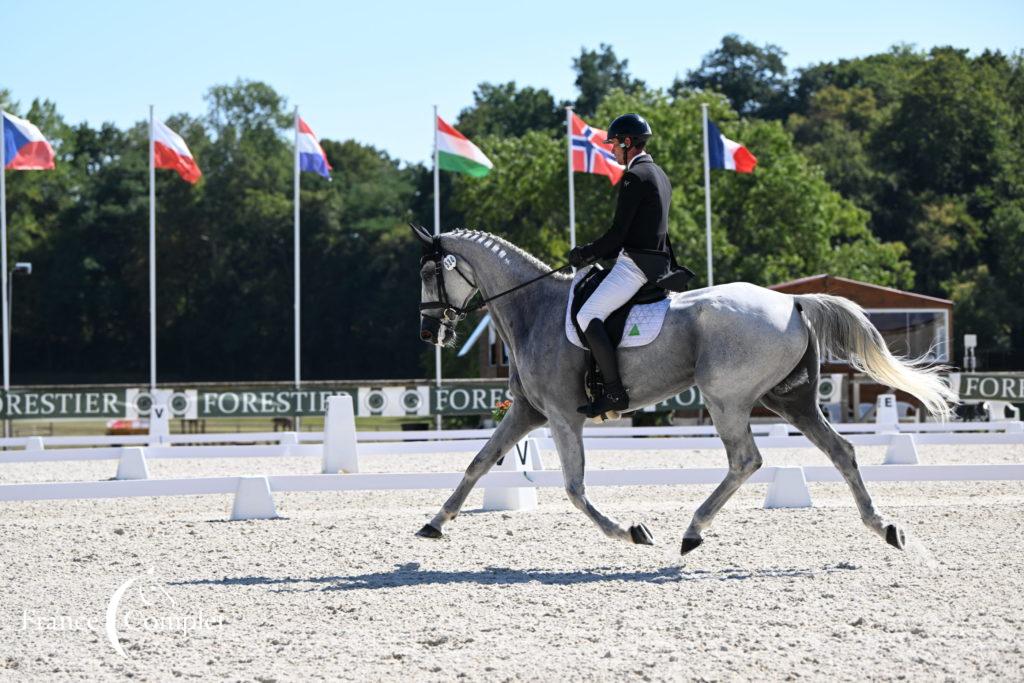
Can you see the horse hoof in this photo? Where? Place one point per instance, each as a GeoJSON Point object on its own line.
{"type": "Point", "coordinates": [641, 535]}
{"type": "Point", "coordinates": [429, 532]}
{"type": "Point", "coordinates": [895, 537]}
{"type": "Point", "coordinates": [689, 544]}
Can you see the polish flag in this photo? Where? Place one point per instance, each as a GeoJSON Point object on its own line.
{"type": "Point", "coordinates": [311, 154]}
{"type": "Point", "coordinates": [25, 148]}
{"type": "Point", "coordinates": [170, 151]}
{"type": "Point", "coordinates": [727, 154]}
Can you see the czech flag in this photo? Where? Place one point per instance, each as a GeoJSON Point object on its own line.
{"type": "Point", "coordinates": [311, 154]}
{"type": "Point", "coordinates": [590, 154]}
{"type": "Point", "coordinates": [727, 154]}
{"type": "Point", "coordinates": [25, 148]}
{"type": "Point", "coordinates": [170, 151]}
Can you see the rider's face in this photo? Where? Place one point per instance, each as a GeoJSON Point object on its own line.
{"type": "Point", "coordinates": [619, 150]}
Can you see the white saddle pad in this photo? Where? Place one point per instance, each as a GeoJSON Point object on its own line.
{"type": "Point", "coordinates": [642, 325]}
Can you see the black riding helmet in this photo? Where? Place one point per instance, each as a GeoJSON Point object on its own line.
{"type": "Point", "coordinates": [629, 126]}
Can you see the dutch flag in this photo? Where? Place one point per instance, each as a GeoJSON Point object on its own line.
{"type": "Point", "coordinates": [25, 148]}
{"type": "Point", "coordinates": [728, 154]}
{"type": "Point", "coordinates": [311, 154]}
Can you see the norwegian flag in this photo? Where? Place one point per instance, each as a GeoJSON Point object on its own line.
{"type": "Point", "coordinates": [590, 154]}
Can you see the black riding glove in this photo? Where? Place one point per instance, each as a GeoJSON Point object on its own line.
{"type": "Point", "coordinates": [579, 257]}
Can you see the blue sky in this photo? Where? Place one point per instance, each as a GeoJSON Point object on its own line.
{"type": "Point", "coordinates": [372, 70]}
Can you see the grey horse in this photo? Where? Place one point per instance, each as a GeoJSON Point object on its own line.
{"type": "Point", "coordinates": [740, 344]}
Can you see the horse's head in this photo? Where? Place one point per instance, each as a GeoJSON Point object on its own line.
{"type": "Point", "coordinates": [447, 286]}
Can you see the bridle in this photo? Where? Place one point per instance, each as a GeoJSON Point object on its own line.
{"type": "Point", "coordinates": [451, 314]}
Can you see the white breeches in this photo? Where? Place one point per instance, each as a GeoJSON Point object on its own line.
{"type": "Point", "coordinates": [615, 290]}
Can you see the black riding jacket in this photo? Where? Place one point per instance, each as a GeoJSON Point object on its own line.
{"type": "Point", "coordinates": [640, 225]}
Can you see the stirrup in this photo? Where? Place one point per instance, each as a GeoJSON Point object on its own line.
{"type": "Point", "coordinates": [604, 407]}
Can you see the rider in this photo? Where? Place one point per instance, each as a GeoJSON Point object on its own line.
{"type": "Point", "coordinates": [637, 240]}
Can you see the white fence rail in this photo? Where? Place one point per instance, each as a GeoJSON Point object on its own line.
{"type": "Point", "coordinates": [520, 472]}
{"type": "Point", "coordinates": [253, 497]}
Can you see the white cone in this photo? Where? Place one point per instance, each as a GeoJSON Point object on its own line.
{"type": "Point", "coordinates": [253, 500]}
{"type": "Point", "coordinates": [132, 464]}
{"type": "Point", "coordinates": [902, 450]}
{"type": "Point", "coordinates": [788, 489]}
{"type": "Point", "coordinates": [340, 437]}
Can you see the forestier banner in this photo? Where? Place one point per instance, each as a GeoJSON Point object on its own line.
{"type": "Point", "coordinates": [268, 402]}
{"type": "Point", "coordinates": [991, 387]}
{"type": "Point", "coordinates": [475, 399]}
{"type": "Point", "coordinates": [55, 403]}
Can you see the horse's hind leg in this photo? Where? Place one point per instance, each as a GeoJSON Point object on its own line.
{"type": "Point", "coordinates": [569, 442]}
{"type": "Point", "coordinates": [799, 406]}
{"type": "Point", "coordinates": [733, 426]}
{"type": "Point", "coordinates": [521, 418]}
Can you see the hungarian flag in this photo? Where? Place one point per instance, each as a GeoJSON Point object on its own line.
{"type": "Point", "coordinates": [728, 154]}
{"type": "Point", "coordinates": [456, 153]}
{"type": "Point", "coordinates": [25, 148]}
{"type": "Point", "coordinates": [170, 151]}
{"type": "Point", "coordinates": [311, 154]}
{"type": "Point", "coordinates": [590, 154]}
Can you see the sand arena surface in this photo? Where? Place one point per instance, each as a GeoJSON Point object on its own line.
{"type": "Point", "coordinates": [341, 589]}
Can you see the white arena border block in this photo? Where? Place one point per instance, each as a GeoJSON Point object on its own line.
{"type": "Point", "coordinates": [788, 489]}
{"type": "Point", "coordinates": [340, 455]}
{"type": "Point", "coordinates": [253, 500]}
{"type": "Point", "coordinates": [902, 450]}
{"type": "Point", "coordinates": [132, 465]}
{"type": "Point", "coordinates": [521, 458]}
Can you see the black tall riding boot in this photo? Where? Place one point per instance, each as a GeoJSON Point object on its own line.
{"type": "Point", "coordinates": [614, 396]}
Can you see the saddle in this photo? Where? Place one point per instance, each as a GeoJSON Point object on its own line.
{"type": "Point", "coordinates": [637, 323]}
{"type": "Point", "coordinates": [615, 324]}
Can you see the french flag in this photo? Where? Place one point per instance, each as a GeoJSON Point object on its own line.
{"type": "Point", "coordinates": [25, 148]}
{"type": "Point", "coordinates": [171, 152]}
{"type": "Point", "coordinates": [728, 154]}
{"type": "Point", "coordinates": [311, 154]}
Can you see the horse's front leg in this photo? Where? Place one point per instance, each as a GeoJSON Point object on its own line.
{"type": "Point", "coordinates": [520, 420]}
{"type": "Point", "coordinates": [568, 438]}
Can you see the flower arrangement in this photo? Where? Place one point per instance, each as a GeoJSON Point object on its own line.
{"type": "Point", "coordinates": [500, 410]}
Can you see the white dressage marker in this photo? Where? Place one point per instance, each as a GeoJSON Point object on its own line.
{"type": "Point", "coordinates": [520, 459]}
{"type": "Point", "coordinates": [340, 437]}
{"type": "Point", "coordinates": [253, 500]}
{"type": "Point", "coordinates": [788, 489]}
{"type": "Point", "coordinates": [902, 450]}
{"type": "Point", "coordinates": [132, 465]}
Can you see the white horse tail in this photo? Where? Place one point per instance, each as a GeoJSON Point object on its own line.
{"type": "Point", "coordinates": [843, 329]}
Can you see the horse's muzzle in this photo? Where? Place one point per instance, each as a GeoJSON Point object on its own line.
{"type": "Point", "coordinates": [430, 330]}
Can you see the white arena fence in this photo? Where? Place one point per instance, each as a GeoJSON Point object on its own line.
{"type": "Point", "coordinates": [513, 484]}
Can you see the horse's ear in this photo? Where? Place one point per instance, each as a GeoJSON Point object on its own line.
{"type": "Point", "coordinates": [422, 234]}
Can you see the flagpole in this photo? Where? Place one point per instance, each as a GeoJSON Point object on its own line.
{"type": "Point", "coordinates": [572, 191]}
{"type": "Point", "coordinates": [707, 192]}
{"type": "Point", "coordinates": [298, 310]}
{"type": "Point", "coordinates": [437, 231]}
{"type": "Point", "coordinates": [3, 255]}
{"type": "Point", "coordinates": [152, 258]}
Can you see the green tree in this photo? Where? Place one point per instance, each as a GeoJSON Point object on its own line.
{"type": "Point", "coordinates": [752, 77]}
{"type": "Point", "coordinates": [598, 72]}
{"type": "Point", "coordinates": [505, 110]}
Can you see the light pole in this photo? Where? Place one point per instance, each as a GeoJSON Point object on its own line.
{"type": "Point", "coordinates": [20, 267]}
